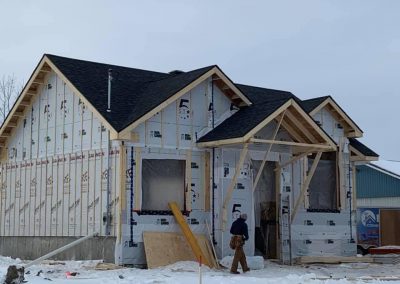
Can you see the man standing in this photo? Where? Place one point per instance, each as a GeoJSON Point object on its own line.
{"type": "Point", "coordinates": [240, 234]}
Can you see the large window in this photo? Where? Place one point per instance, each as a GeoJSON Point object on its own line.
{"type": "Point", "coordinates": [163, 181]}
{"type": "Point", "coordinates": [323, 186]}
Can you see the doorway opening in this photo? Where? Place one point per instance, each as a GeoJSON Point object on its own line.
{"type": "Point", "coordinates": [265, 210]}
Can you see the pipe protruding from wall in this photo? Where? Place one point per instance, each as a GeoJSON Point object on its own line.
{"type": "Point", "coordinates": [109, 90]}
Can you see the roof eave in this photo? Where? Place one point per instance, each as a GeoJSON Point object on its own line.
{"type": "Point", "coordinates": [355, 131]}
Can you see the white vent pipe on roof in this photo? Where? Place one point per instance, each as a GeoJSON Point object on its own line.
{"type": "Point", "coordinates": [109, 90]}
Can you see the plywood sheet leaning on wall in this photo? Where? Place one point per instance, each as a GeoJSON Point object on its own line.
{"type": "Point", "coordinates": [164, 248]}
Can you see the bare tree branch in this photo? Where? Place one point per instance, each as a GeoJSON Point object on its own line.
{"type": "Point", "coordinates": [9, 91]}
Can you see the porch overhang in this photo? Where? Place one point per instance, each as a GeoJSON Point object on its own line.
{"type": "Point", "coordinates": [305, 135]}
{"type": "Point", "coordinates": [360, 152]}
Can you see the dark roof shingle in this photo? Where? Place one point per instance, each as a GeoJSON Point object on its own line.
{"type": "Point", "coordinates": [135, 92]}
{"type": "Point", "coordinates": [310, 104]}
{"type": "Point", "coordinates": [265, 102]}
{"type": "Point", "coordinates": [363, 149]}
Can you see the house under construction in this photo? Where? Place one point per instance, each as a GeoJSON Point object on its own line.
{"type": "Point", "coordinates": [91, 147]}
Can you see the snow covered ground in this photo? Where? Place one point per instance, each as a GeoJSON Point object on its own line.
{"type": "Point", "coordinates": [187, 272]}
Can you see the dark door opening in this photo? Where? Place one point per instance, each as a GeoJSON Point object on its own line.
{"type": "Point", "coordinates": [265, 210]}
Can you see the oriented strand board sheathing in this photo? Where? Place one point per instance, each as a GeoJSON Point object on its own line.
{"type": "Point", "coordinates": [164, 248]}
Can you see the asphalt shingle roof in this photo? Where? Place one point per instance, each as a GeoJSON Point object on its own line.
{"type": "Point", "coordinates": [265, 102]}
{"type": "Point", "coordinates": [135, 92]}
{"type": "Point", "coordinates": [363, 149]}
{"type": "Point", "coordinates": [311, 104]}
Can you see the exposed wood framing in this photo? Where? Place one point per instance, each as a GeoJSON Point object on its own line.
{"type": "Point", "coordinates": [277, 209]}
{"type": "Point", "coordinates": [45, 69]}
{"type": "Point", "coordinates": [352, 130]}
{"type": "Point", "coordinates": [5, 134]}
{"type": "Point", "coordinates": [19, 114]}
{"type": "Point", "coordinates": [301, 126]}
{"type": "Point", "coordinates": [338, 200]}
{"type": "Point", "coordinates": [219, 143]}
{"type": "Point", "coordinates": [318, 129]}
{"type": "Point", "coordinates": [38, 81]}
{"type": "Point", "coordinates": [325, 141]}
{"type": "Point", "coordinates": [231, 187]}
{"type": "Point", "coordinates": [32, 87]}
{"type": "Point", "coordinates": [25, 103]}
{"type": "Point", "coordinates": [187, 232]}
{"type": "Point", "coordinates": [207, 182]}
{"type": "Point", "coordinates": [290, 143]}
{"type": "Point", "coordinates": [354, 187]}
{"type": "Point", "coordinates": [122, 190]}
{"type": "Point", "coordinates": [267, 120]}
{"type": "Point", "coordinates": [306, 184]}
{"type": "Point", "coordinates": [12, 124]}
{"type": "Point", "coordinates": [293, 132]}
{"type": "Point", "coordinates": [260, 170]}
{"type": "Point", "coordinates": [360, 157]}
{"type": "Point", "coordinates": [232, 86]}
{"type": "Point", "coordinates": [294, 159]}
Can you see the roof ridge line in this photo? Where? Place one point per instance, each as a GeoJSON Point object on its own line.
{"type": "Point", "coordinates": [102, 63]}
{"type": "Point", "coordinates": [176, 75]}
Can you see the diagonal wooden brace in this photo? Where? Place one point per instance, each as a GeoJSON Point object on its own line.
{"type": "Point", "coordinates": [231, 187]}
{"type": "Point", "coordinates": [306, 184]}
{"type": "Point", "coordinates": [267, 153]}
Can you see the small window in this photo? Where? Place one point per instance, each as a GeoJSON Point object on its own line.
{"type": "Point", "coordinates": [323, 185]}
{"type": "Point", "coordinates": [163, 181]}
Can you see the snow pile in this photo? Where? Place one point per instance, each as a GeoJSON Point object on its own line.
{"type": "Point", "coordinates": [187, 272]}
{"type": "Point", "coordinates": [7, 261]}
{"type": "Point", "coordinates": [253, 262]}
{"type": "Point", "coordinates": [185, 266]}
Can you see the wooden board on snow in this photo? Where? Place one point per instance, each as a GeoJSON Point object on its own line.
{"type": "Point", "coordinates": [164, 248]}
{"type": "Point", "coordinates": [334, 259]}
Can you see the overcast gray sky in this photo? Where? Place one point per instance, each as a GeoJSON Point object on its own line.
{"type": "Point", "coordinates": [347, 49]}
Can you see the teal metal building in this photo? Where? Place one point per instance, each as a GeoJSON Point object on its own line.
{"type": "Point", "coordinates": [378, 206]}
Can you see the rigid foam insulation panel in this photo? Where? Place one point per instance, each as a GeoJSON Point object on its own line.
{"type": "Point", "coordinates": [58, 122]}
{"type": "Point", "coordinates": [170, 134]}
{"type": "Point", "coordinates": [241, 201]}
{"type": "Point", "coordinates": [130, 250]}
{"type": "Point", "coordinates": [65, 195]}
{"type": "Point", "coordinates": [325, 233]}
{"type": "Point", "coordinates": [180, 124]}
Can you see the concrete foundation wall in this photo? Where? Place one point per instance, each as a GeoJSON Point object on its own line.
{"type": "Point", "coordinates": [34, 247]}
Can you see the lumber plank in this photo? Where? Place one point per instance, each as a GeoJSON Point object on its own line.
{"type": "Point", "coordinates": [333, 259]}
{"type": "Point", "coordinates": [301, 126]}
{"type": "Point", "coordinates": [187, 232]}
{"type": "Point", "coordinates": [231, 187]}
{"type": "Point", "coordinates": [293, 159]}
{"type": "Point", "coordinates": [260, 170]}
{"type": "Point", "coordinates": [306, 184]}
{"type": "Point", "coordinates": [290, 143]}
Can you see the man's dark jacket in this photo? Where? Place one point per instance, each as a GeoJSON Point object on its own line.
{"type": "Point", "coordinates": [239, 227]}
